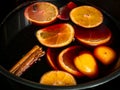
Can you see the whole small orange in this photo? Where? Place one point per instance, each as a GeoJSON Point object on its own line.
{"type": "Point", "coordinates": [105, 54]}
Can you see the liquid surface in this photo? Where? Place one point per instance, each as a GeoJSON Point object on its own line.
{"type": "Point", "coordinates": [19, 37]}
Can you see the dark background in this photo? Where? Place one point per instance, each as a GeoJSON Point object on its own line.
{"type": "Point", "coordinates": [111, 6]}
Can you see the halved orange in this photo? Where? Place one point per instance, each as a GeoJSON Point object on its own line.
{"type": "Point", "coordinates": [66, 60]}
{"type": "Point", "coordinates": [86, 16]}
{"type": "Point", "coordinates": [57, 78]}
{"type": "Point", "coordinates": [41, 13]}
{"type": "Point", "coordinates": [55, 36]}
{"type": "Point", "coordinates": [93, 36]}
{"type": "Point", "coordinates": [86, 63]}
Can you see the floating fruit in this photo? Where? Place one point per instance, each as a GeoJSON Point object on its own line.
{"type": "Point", "coordinates": [41, 13]}
{"type": "Point", "coordinates": [86, 63]}
{"type": "Point", "coordinates": [105, 54]}
{"type": "Point", "coordinates": [52, 55]}
{"type": "Point", "coordinates": [55, 36]}
{"type": "Point", "coordinates": [65, 10]}
{"type": "Point", "coordinates": [58, 78]}
{"type": "Point", "coordinates": [86, 16]}
{"type": "Point", "coordinates": [66, 58]}
{"type": "Point", "coordinates": [93, 36]}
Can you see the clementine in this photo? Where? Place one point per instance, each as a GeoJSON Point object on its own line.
{"type": "Point", "coordinates": [105, 54]}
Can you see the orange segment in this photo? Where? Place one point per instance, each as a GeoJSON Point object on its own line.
{"type": "Point", "coordinates": [86, 16]}
{"type": "Point", "coordinates": [66, 58]}
{"type": "Point", "coordinates": [86, 63]}
{"type": "Point", "coordinates": [58, 78]}
{"type": "Point", "coordinates": [58, 35]}
{"type": "Point", "coordinates": [41, 13]}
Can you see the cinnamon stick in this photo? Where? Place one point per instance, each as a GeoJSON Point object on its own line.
{"type": "Point", "coordinates": [30, 58]}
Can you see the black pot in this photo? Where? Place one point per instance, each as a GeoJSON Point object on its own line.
{"type": "Point", "coordinates": [12, 23]}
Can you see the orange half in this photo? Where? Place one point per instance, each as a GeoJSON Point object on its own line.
{"type": "Point", "coordinates": [86, 63]}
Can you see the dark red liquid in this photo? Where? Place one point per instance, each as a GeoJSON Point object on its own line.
{"type": "Point", "coordinates": [23, 39]}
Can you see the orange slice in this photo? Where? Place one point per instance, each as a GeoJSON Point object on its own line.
{"type": "Point", "coordinates": [52, 55]}
{"type": "Point", "coordinates": [41, 13]}
{"type": "Point", "coordinates": [58, 78]}
{"type": "Point", "coordinates": [66, 57]}
{"type": "Point", "coordinates": [54, 36]}
{"type": "Point", "coordinates": [65, 10]}
{"type": "Point", "coordinates": [86, 16]}
{"type": "Point", "coordinates": [86, 63]}
{"type": "Point", "coordinates": [105, 54]}
{"type": "Point", "coordinates": [93, 36]}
